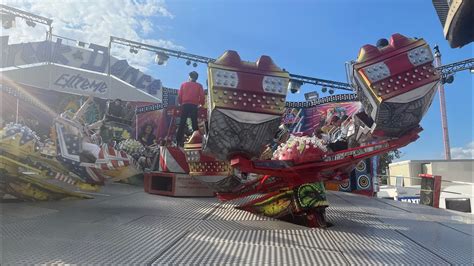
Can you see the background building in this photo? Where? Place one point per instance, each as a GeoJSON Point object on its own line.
{"type": "Point", "coordinates": [457, 184]}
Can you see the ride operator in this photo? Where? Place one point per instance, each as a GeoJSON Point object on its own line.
{"type": "Point", "coordinates": [190, 97]}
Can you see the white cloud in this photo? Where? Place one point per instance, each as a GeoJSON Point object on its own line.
{"type": "Point", "coordinates": [93, 21]}
{"type": "Point", "coordinates": [466, 152]}
{"type": "Point", "coordinates": [147, 26]}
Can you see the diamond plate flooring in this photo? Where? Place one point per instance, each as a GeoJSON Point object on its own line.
{"type": "Point", "coordinates": [123, 225]}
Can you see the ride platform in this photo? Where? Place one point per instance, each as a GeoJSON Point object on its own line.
{"type": "Point", "coordinates": [124, 225]}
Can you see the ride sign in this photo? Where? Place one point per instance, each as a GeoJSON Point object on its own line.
{"type": "Point", "coordinates": [94, 59]}
{"type": "Point", "coordinates": [415, 200]}
{"type": "Point", "coordinates": [78, 82]}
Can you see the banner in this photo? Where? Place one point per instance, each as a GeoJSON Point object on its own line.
{"type": "Point", "coordinates": [159, 122]}
{"type": "Point", "coordinates": [307, 119]}
{"type": "Point", "coordinates": [415, 200]}
{"type": "Point", "coordinates": [297, 119]}
{"type": "Point", "coordinates": [156, 117]}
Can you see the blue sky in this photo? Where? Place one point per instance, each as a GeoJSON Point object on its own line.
{"type": "Point", "coordinates": [315, 38]}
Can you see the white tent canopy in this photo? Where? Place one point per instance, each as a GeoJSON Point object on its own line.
{"type": "Point", "coordinates": [75, 81]}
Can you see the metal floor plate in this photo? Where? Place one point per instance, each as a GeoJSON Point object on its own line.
{"type": "Point", "coordinates": [128, 246]}
{"type": "Point", "coordinates": [124, 225]}
{"type": "Point", "coordinates": [199, 252]}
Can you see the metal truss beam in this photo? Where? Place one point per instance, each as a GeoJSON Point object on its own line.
{"type": "Point", "coordinates": [157, 49]}
{"type": "Point", "coordinates": [322, 82]}
{"type": "Point", "coordinates": [444, 70]}
{"type": "Point", "coordinates": [205, 60]}
{"type": "Point", "coordinates": [449, 69]}
{"type": "Point", "coordinates": [6, 10]}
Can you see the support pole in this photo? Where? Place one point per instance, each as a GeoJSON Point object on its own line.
{"type": "Point", "coordinates": [108, 68]}
{"type": "Point", "coordinates": [442, 102]}
{"type": "Point", "coordinates": [17, 109]}
{"type": "Point", "coordinates": [136, 124]}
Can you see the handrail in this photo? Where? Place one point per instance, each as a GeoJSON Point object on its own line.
{"type": "Point", "coordinates": [419, 178]}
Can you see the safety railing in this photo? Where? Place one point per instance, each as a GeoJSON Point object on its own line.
{"type": "Point", "coordinates": [399, 182]}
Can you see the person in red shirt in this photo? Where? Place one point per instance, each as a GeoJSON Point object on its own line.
{"type": "Point", "coordinates": [190, 97]}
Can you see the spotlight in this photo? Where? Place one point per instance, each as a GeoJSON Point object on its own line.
{"type": "Point", "coordinates": [188, 62]}
{"type": "Point", "coordinates": [324, 89]}
{"type": "Point", "coordinates": [8, 21]}
{"type": "Point", "coordinates": [161, 58]}
{"type": "Point", "coordinates": [133, 50]}
{"type": "Point", "coordinates": [311, 96]}
{"type": "Point", "coordinates": [331, 91]}
{"type": "Point", "coordinates": [195, 64]}
{"type": "Point", "coordinates": [382, 43]}
{"type": "Point", "coordinates": [436, 50]}
{"type": "Point", "coordinates": [30, 23]}
{"type": "Point", "coordinates": [449, 79]}
{"type": "Point", "coordinates": [294, 86]}
{"type": "Point", "coordinates": [472, 70]}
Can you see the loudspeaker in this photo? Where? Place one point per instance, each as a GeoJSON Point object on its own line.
{"type": "Point", "coordinates": [426, 198]}
{"type": "Point", "coordinates": [457, 204]}
{"type": "Point", "coordinates": [430, 190]}
{"type": "Point", "coordinates": [363, 178]}
{"type": "Point", "coordinates": [360, 179]}
{"type": "Point", "coordinates": [346, 186]}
